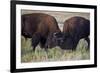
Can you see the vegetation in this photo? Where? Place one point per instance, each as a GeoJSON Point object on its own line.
{"type": "Point", "coordinates": [53, 54]}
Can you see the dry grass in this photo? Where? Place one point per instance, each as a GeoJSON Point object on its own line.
{"type": "Point", "coordinates": [53, 54]}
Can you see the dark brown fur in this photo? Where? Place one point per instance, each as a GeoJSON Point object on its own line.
{"type": "Point", "coordinates": [74, 29]}
{"type": "Point", "coordinates": [38, 26]}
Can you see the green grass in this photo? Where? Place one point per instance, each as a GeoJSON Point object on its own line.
{"type": "Point", "coordinates": [53, 54]}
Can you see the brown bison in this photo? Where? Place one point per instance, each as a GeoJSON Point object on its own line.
{"type": "Point", "coordinates": [38, 26]}
{"type": "Point", "coordinates": [74, 29]}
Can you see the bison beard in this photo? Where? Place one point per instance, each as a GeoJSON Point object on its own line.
{"type": "Point", "coordinates": [38, 26]}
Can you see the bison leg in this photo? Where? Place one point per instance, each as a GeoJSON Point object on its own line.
{"type": "Point", "coordinates": [43, 42]}
{"type": "Point", "coordinates": [88, 41]}
{"type": "Point", "coordinates": [34, 48]}
{"type": "Point", "coordinates": [49, 43]}
{"type": "Point", "coordinates": [46, 46]}
{"type": "Point", "coordinates": [35, 40]}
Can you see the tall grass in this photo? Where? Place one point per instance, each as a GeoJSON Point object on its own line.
{"type": "Point", "coordinates": [52, 54]}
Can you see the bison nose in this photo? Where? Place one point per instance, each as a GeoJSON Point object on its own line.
{"type": "Point", "coordinates": [60, 41]}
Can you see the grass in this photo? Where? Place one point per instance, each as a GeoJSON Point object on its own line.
{"type": "Point", "coordinates": [53, 54]}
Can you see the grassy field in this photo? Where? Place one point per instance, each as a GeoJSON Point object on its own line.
{"type": "Point", "coordinates": [53, 54]}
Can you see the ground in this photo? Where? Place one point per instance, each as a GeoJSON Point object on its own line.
{"type": "Point", "coordinates": [53, 54]}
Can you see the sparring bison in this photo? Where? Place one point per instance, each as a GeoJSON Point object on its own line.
{"type": "Point", "coordinates": [39, 26]}
{"type": "Point", "coordinates": [74, 29]}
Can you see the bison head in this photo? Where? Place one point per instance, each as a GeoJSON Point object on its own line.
{"type": "Point", "coordinates": [65, 41]}
{"type": "Point", "coordinates": [54, 39]}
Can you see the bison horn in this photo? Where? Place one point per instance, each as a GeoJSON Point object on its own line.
{"type": "Point", "coordinates": [55, 34]}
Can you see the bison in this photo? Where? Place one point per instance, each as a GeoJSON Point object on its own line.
{"type": "Point", "coordinates": [74, 29]}
{"type": "Point", "coordinates": [39, 26]}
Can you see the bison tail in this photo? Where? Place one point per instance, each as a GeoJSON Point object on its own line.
{"type": "Point", "coordinates": [88, 41]}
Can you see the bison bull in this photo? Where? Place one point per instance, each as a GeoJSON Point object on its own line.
{"type": "Point", "coordinates": [39, 26]}
{"type": "Point", "coordinates": [74, 29]}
